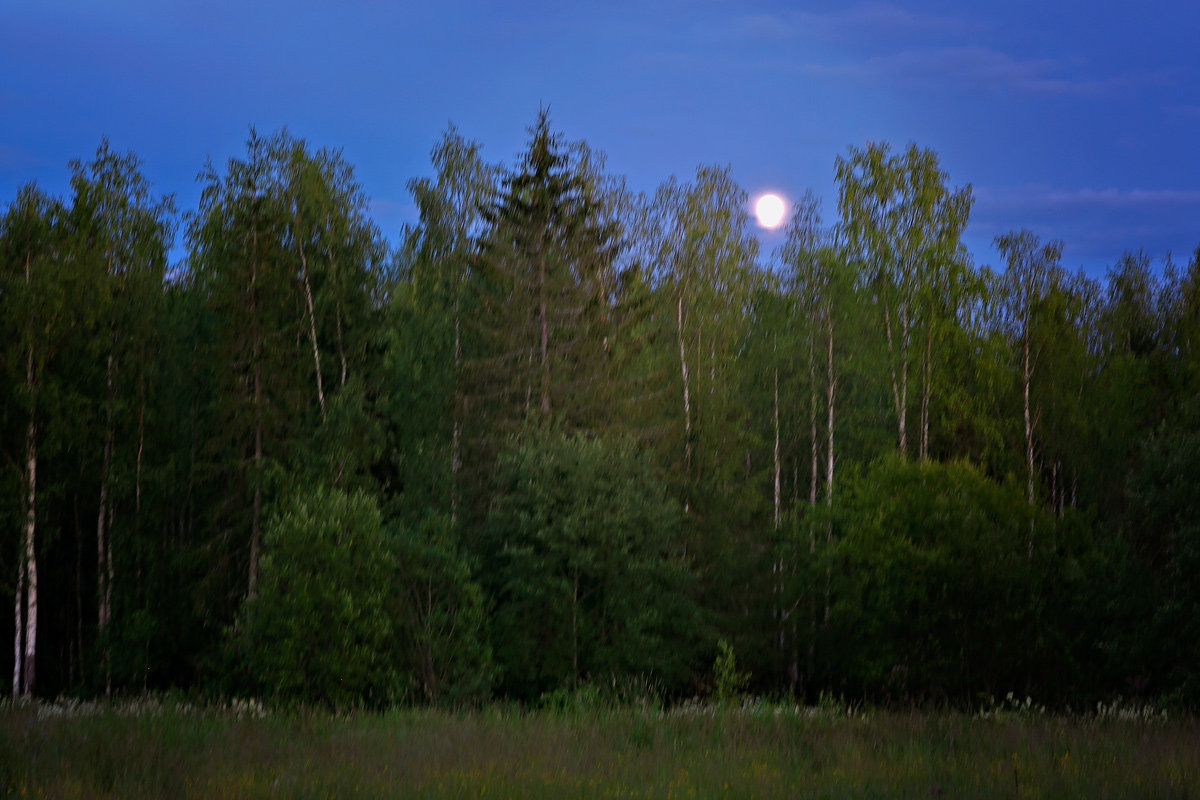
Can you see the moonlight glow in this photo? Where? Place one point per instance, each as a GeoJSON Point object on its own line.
{"type": "Point", "coordinates": [769, 210]}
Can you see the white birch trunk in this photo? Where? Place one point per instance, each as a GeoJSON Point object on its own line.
{"type": "Point", "coordinates": [898, 399]}
{"type": "Point", "coordinates": [456, 429]}
{"type": "Point", "coordinates": [812, 425]}
{"type": "Point", "coordinates": [18, 639]}
{"type": "Point", "coordinates": [312, 324]}
{"type": "Point", "coordinates": [926, 390]}
{"type": "Point", "coordinates": [103, 545]}
{"type": "Point", "coordinates": [902, 405]}
{"type": "Point", "coordinates": [18, 627]}
{"type": "Point", "coordinates": [1027, 375]}
{"type": "Point", "coordinates": [830, 393]}
{"type": "Point", "coordinates": [1029, 423]}
{"type": "Point", "coordinates": [775, 347]}
{"type": "Point", "coordinates": [25, 634]}
{"type": "Point", "coordinates": [687, 402]}
{"type": "Point", "coordinates": [31, 574]}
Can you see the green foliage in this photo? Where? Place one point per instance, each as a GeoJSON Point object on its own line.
{"type": "Point", "coordinates": [585, 578]}
{"type": "Point", "coordinates": [423, 361]}
{"type": "Point", "coordinates": [572, 434]}
{"type": "Point", "coordinates": [1165, 522]}
{"type": "Point", "coordinates": [945, 582]}
{"type": "Point", "coordinates": [441, 614]}
{"type": "Point", "coordinates": [728, 684]}
{"type": "Point", "coordinates": [320, 629]}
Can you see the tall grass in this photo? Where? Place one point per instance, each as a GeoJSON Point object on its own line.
{"type": "Point", "coordinates": [165, 750]}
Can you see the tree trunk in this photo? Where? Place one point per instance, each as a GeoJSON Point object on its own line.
{"type": "Point", "coordinates": [312, 324]}
{"type": "Point", "coordinates": [78, 644]}
{"type": "Point", "coordinates": [687, 402]}
{"type": "Point", "coordinates": [830, 392]}
{"type": "Point", "coordinates": [776, 453]}
{"type": "Point", "coordinates": [902, 403]}
{"type": "Point", "coordinates": [926, 389]}
{"type": "Point", "coordinates": [30, 557]}
{"type": "Point", "coordinates": [255, 523]}
{"type": "Point", "coordinates": [19, 627]}
{"type": "Point", "coordinates": [456, 421]}
{"type": "Point", "coordinates": [1027, 375]}
{"type": "Point", "coordinates": [545, 325]}
{"type": "Point", "coordinates": [137, 471]}
{"type": "Point", "coordinates": [103, 545]}
{"type": "Point", "coordinates": [337, 308]}
{"type": "Point", "coordinates": [812, 425]}
{"type": "Point", "coordinates": [898, 400]}
{"type": "Point", "coordinates": [256, 470]}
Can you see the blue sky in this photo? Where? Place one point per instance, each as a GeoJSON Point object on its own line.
{"type": "Point", "coordinates": [1079, 121]}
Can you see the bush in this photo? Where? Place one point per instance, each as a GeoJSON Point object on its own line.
{"type": "Point", "coordinates": [730, 685]}
{"type": "Point", "coordinates": [320, 630]}
{"type": "Point", "coordinates": [947, 584]}
{"type": "Point", "coordinates": [442, 616]}
{"type": "Point", "coordinates": [583, 569]}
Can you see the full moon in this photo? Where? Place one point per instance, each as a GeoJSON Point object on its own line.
{"type": "Point", "coordinates": [769, 210]}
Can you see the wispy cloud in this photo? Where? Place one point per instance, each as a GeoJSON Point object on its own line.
{"type": "Point", "coordinates": [874, 18]}
{"type": "Point", "coordinates": [1050, 198]}
{"type": "Point", "coordinates": [976, 67]}
{"type": "Point", "coordinates": [883, 41]}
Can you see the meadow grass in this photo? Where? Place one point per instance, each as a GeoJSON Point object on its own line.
{"type": "Point", "coordinates": [159, 749]}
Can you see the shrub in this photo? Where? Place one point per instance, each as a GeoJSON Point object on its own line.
{"type": "Point", "coordinates": [583, 566]}
{"type": "Point", "coordinates": [729, 684]}
{"type": "Point", "coordinates": [320, 630]}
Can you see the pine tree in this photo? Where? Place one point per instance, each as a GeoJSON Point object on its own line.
{"type": "Point", "coordinates": [540, 342]}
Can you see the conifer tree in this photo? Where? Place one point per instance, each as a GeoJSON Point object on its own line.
{"type": "Point", "coordinates": [542, 286]}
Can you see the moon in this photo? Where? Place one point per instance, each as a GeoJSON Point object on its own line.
{"type": "Point", "coordinates": [769, 210]}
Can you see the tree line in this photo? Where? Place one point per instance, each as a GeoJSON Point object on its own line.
{"type": "Point", "coordinates": [568, 434]}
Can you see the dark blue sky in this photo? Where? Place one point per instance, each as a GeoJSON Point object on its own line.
{"type": "Point", "coordinates": [1080, 121]}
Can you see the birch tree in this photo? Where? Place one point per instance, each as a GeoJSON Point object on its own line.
{"type": "Point", "coordinates": [120, 234]}
{"type": "Point", "coordinates": [706, 258]}
{"type": "Point", "coordinates": [902, 225]}
{"type": "Point", "coordinates": [239, 264]}
{"type": "Point", "coordinates": [1032, 269]}
{"type": "Point", "coordinates": [815, 276]}
{"type": "Point", "coordinates": [39, 308]}
{"type": "Point", "coordinates": [430, 307]}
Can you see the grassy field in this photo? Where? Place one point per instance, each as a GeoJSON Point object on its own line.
{"type": "Point", "coordinates": [154, 749]}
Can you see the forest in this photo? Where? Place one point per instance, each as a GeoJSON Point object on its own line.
{"type": "Point", "coordinates": [567, 435]}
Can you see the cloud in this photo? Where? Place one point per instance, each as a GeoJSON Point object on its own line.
{"type": "Point", "coordinates": [1096, 225]}
{"type": "Point", "coordinates": [852, 22]}
{"type": "Point", "coordinates": [901, 45]}
{"type": "Point", "coordinates": [975, 67]}
{"type": "Point", "coordinates": [1048, 198]}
